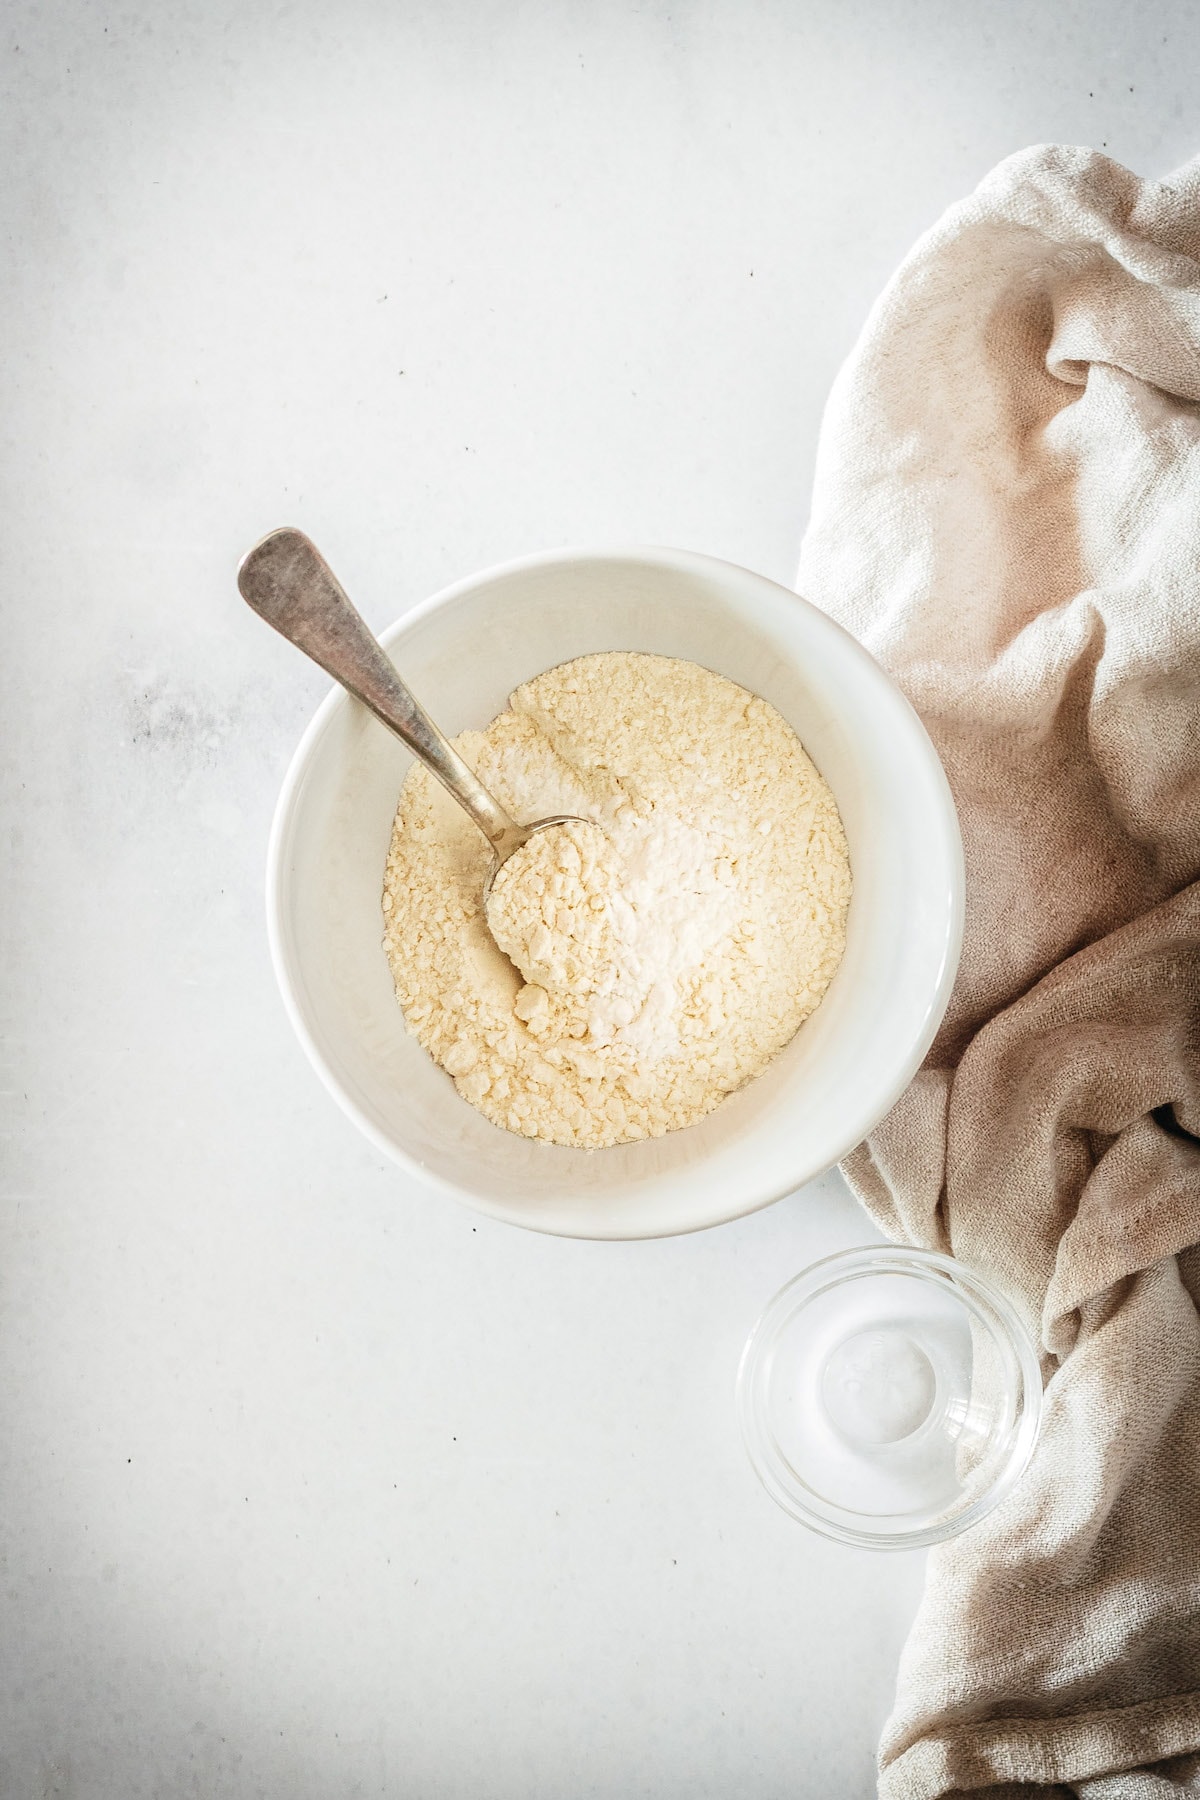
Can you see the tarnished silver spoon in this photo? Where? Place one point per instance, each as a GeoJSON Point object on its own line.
{"type": "Point", "coordinates": [289, 584]}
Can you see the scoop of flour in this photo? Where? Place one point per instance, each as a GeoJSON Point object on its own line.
{"type": "Point", "coordinates": [559, 912]}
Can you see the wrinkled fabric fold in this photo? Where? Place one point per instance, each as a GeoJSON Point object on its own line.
{"type": "Point", "coordinates": [1007, 513]}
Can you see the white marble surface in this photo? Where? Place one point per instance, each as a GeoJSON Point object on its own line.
{"type": "Point", "coordinates": [312, 1485]}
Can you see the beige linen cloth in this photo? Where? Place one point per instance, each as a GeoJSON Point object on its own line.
{"type": "Point", "coordinates": [1007, 513]}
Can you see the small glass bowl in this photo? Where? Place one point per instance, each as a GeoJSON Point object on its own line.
{"type": "Point", "coordinates": [889, 1397]}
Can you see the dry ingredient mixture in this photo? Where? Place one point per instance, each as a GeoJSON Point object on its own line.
{"type": "Point", "coordinates": [654, 959]}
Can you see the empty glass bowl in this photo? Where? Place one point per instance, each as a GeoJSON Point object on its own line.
{"type": "Point", "coordinates": [889, 1397]}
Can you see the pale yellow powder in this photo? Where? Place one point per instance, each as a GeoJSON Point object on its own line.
{"type": "Point", "coordinates": [559, 912]}
{"type": "Point", "coordinates": [662, 959]}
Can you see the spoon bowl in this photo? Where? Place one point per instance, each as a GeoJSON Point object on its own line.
{"type": "Point", "coordinates": [521, 836]}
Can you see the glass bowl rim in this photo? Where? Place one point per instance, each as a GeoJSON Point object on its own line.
{"type": "Point", "coordinates": [862, 1261]}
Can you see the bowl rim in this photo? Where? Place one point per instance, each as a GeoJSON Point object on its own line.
{"type": "Point", "coordinates": [861, 1261]}
{"type": "Point", "coordinates": [275, 889]}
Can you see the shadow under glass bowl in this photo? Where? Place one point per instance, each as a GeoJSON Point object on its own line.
{"type": "Point", "coordinates": [889, 1397]}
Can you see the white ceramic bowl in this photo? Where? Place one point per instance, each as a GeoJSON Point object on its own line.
{"type": "Point", "coordinates": [462, 652]}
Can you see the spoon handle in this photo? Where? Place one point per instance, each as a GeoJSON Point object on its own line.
{"type": "Point", "coordinates": [289, 584]}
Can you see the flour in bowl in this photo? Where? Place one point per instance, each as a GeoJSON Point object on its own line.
{"type": "Point", "coordinates": [646, 962]}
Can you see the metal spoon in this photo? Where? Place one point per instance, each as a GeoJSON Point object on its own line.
{"type": "Point", "coordinates": [289, 584]}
